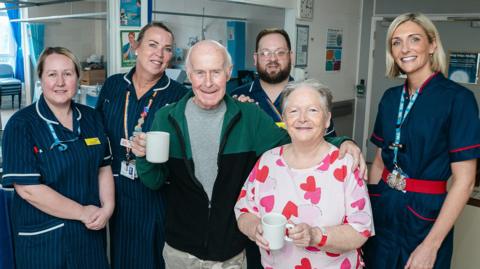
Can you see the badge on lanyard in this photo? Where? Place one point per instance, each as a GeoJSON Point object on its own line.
{"type": "Point", "coordinates": [129, 170]}
{"type": "Point", "coordinates": [92, 141]}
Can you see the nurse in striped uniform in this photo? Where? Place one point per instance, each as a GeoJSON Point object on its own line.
{"type": "Point", "coordinates": [57, 157]}
{"type": "Point", "coordinates": [128, 103]}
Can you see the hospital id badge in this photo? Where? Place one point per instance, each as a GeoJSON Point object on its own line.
{"type": "Point", "coordinates": [128, 170]}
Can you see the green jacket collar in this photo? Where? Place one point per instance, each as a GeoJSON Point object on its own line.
{"type": "Point", "coordinates": [178, 113]}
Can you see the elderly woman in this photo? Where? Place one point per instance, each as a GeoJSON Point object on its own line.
{"type": "Point", "coordinates": [306, 182]}
{"type": "Point", "coordinates": [56, 156]}
{"type": "Point", "coordinates": [427, 130]}
{"type": "Point", "coordinates": [128, 103]}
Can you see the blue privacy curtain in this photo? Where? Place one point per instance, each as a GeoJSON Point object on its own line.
{"type": "Point", "coordinates": [35, 32]}
{"type": "Point", "coordinates": [17, 34]}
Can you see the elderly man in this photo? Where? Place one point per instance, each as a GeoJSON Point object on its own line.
{"type": "Point", "coordinates": [273, 58]}
{"type": "Point", "coordinates": [214, 143]}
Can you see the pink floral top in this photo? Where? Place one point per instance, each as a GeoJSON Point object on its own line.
{"type": "Point", "coordinates": [327, 194]}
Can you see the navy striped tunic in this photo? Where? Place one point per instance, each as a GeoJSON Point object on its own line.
{"type": "Point", "coordinates": [136, 227]}
{"type": "Point", "coordinates": [42, 240]}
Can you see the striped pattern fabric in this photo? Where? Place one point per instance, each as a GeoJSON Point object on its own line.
{"type": "Point", "coordinates": [41, 240]}
{"type": "Point", "coordinates": [136, 226]}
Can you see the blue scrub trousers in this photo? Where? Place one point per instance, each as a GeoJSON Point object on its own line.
{"type": "Point", "coordinates": [402, 221]}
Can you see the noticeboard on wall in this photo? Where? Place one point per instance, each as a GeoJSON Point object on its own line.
{"type": "Point", "coordinates": [301, 53]}
{"type": "Point", "coordinates": [130, 13]}
{"type": "Point", "coordinates": [333, 52]}
{"type": "Point", "coordinates": [128, 45]}
{"type": "Point", "coordinates": [463, 67]}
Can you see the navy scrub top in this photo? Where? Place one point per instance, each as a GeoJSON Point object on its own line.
{"type": "Point", "coordinates": [442, 127]}
{"type": "Point", "coordinates": [111, 104]}
{"type": "Point", "coordinates": [255, 91]}
{"type": "Point", "coordinates": [28, 160]}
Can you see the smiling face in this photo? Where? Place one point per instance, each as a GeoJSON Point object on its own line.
{"type": "Point", "coordinates": [273, 59]}
{"type": "Point", "coordinates": [208, 74]}
{"type": "Point", "coordinates": [154, 52]}
{"type": "Point", "coordinates": [59, 80]}
{"type": "Point", "coordinates": [411, 49]}
{"type": "Point", "coordinates": [306, 116]}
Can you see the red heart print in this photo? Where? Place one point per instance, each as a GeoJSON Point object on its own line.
{"type": "Point", "coordinates": [357, 177]}
{"type": "Point", "coordinates": [304, 264]}
{"type": "Point", "coordinates": [360, 204]}
{"type": "Point", "coordinates": [280, 163]}
{"type": "Point", "coordinates": [313, 196]}
{"type": "Point", "coordinates": [290, 209]}
{"type": "Point", "coordinates": [366, 233]}
{"type": "Point", "coordinates": [262, 174]}
{"type": "Point", "coordinates": [340, 173]}
{"type": "Point", "coordinates": [243, 193]}
{"type": "Point", "coordinates": [312, 249]}
{"type": "Point", "coordinates": [324, 165]}
{"type": "Point", "coordinates": [346, 264]}
{"type": "Point", "coordinates": [244, 210]}
{"type": "Point", "coordinates": [334, 156]}
{"type": "Point", "coordinates": [267, 202]}
{"type": "Point", "coordinates": [309, 185]}
{"type": "Point", "coordinates": [333, 255]}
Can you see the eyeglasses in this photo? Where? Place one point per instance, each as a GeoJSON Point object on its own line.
{"type": "Point", "coordinates": [280, 53]}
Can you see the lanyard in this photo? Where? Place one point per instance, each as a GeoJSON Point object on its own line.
{"type": "Point", "coordinates": [400, 119]}
{"type": "Point", "coordinates": [279, 115]}
{"type": "Point", "coordinates": [62, 146]}
{"type": "Point", "coordinates": [141, 119]}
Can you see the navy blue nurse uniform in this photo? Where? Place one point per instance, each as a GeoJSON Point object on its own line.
{"type": "Point", "coordinates": [255, 91]}
{"type": "Point", "coordinates": [442, 127]}
{"type": "Point", "coordinates": [42, 240]}
{"type": "Point", "coordinates": [136, 226]}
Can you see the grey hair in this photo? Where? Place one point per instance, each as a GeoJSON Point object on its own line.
{"type": "Point", "coordinates": [227, 58]}
{"type": "Point", "coordinates": [324, 92]}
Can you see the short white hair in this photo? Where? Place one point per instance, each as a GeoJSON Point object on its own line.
{"type": "Point", "coordinates": [227, 58]}
{"type": "Point", "coordinates": [324, 92]}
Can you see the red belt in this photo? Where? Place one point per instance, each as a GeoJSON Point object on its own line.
{"type": "Point", "coordinates": [419, 185]}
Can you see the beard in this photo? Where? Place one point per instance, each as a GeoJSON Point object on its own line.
{"type": "Point", "coordinates": [274, 78]}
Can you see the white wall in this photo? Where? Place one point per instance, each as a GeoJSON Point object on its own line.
{"type": "Point", "coordinates": [335, 14]}
{"type": "Point", "coordinates": [82, 36]}
{"type": "Point", "coordinates": [258, 17]}
{"type": "Point", "coordinates": [467, 239]}
{"type": "Point", "coordinates": [344, 14]}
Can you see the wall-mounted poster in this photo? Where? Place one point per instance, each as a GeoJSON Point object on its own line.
{"type": "Point", "coordinates": [130, 12]}
{"type": "Point", "coordinates": [301, 55]}
{"type": "Point", "coordinates": [333, 54]}
{"type": "Point", "coordinates": [129, 44]}
{"type": "Point", "coordinates": [463, 67]}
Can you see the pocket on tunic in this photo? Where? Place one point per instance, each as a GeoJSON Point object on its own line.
{"type": "Point", "coordinates": [422, 212]}
{"type": "Point", "coordinates": [40, 235]}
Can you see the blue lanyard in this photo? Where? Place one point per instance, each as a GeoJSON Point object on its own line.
{"type": "Point", "coordinates": [62, 146]}
{"type": "Point", "coordinates": [400, 119]}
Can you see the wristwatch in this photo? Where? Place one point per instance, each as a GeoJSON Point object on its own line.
{"type": "Point", "coordinates": [324, 238]}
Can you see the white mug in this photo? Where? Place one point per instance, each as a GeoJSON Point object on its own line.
{"type": "Point", "coordinates": [274, 230]}
{"type": "Point", "coordinates": [158, 146]}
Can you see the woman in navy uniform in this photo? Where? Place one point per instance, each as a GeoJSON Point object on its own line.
{"type": "Point", "coordinates": [128, 103]}
{"type": "Point", "coordinates": [427, 131]}
{"type": "Point", "coordinates": [57, 157]}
